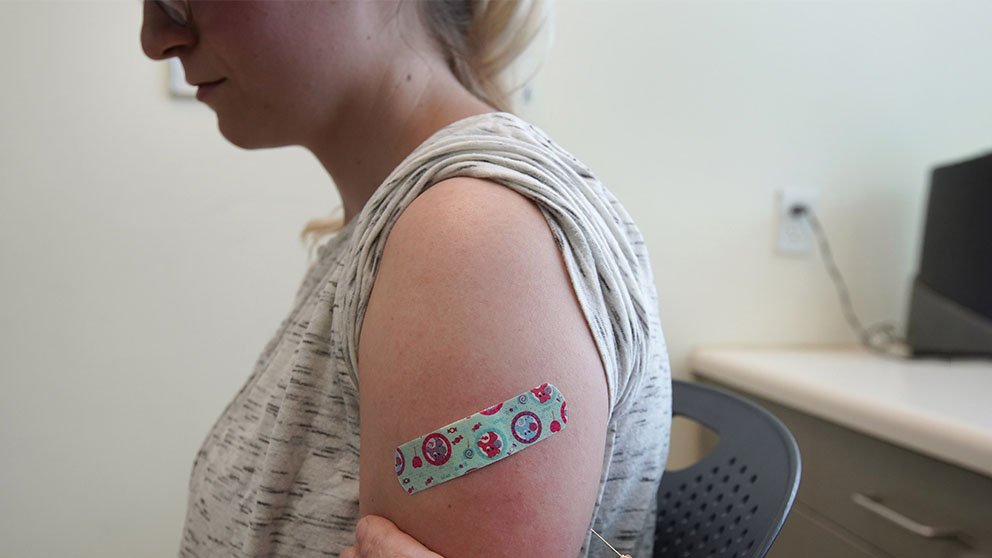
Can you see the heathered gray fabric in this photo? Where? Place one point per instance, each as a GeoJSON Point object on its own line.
{"type": "Point", "coordinates": [278, 473]}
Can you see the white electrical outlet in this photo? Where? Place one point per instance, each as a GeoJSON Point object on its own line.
{"type": "Point", "coordinates": [795, 235]}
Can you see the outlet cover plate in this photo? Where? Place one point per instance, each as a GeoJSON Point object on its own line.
{"type": "Point", "coordinates": [795, 235]}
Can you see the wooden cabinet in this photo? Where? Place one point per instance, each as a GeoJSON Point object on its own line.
{"type": "Point", "coordinates": [863, 497]}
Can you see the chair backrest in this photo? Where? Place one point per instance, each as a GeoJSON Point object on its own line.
{"type": "Point", "coordinates": [733, 502]}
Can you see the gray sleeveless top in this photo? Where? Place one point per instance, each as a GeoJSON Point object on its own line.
{"type": "Point", "coordinates": [278, 473]}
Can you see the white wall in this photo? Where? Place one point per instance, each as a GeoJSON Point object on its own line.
{"type": "Point", "coordinates": [137, 245]}
{"type": "Point", "coordinates": [695, 113]}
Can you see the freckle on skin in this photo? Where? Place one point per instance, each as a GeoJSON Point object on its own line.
{"type": "Point", "coordinates": [408, 77]}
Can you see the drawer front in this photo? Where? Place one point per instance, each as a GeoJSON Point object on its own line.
{"type": "Point", "coordinates": [885, 494]}
{"type": "Point", "coordinates": [839, 463]}
{"type": "Point", "coordinates": [807, 536]}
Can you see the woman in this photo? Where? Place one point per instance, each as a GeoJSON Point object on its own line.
{"type": "Point", "coordinates": [477, 260]}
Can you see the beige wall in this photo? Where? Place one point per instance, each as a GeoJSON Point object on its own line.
{"type": "Point", "coordinates": [138, 246]}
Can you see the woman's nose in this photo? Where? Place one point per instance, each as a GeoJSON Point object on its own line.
{"type": "Point", "coordinates": [160, 37]}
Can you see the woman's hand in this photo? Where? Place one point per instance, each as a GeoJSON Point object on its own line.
{"type": "Point", "coordinates": [379, 537]}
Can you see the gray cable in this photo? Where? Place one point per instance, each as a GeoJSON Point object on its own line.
{"type": "Point", "coordinates": [880, 338]}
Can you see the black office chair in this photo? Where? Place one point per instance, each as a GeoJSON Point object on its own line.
{"type": "Point", "coordinates": [733, 502]}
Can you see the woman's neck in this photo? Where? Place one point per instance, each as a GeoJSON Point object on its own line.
{"type": "Point", "coordinates": [371, 135]}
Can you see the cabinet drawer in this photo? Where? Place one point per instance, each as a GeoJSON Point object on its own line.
{"type": "Point", "coordinates": [927, 492]}
{"type": "Point", "coordinates": [808, 536]}
{"type": "Point", "coordinates": [839, 463]}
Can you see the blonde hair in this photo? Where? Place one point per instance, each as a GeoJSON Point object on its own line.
{"type": "Point", "coordinates": [480, 39]}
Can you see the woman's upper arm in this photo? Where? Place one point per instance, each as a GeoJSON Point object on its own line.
{"type": "Point", "coordinates": [472, 305]}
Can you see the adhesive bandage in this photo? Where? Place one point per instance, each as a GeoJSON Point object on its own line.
{"type": "Point", "coordinates": [482, 438]}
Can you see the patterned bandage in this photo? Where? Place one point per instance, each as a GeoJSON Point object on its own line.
{"type": "Point", "coordinates": [477, 440]}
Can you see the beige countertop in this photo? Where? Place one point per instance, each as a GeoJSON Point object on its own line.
{"type": "Point", "coordinates": [936, 407]}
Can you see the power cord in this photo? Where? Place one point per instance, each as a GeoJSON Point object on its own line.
{"type": "Point", "coordinates": [880, 338]}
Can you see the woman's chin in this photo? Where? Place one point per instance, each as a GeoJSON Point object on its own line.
{"type": "Point", "coordinates": [246, 138]}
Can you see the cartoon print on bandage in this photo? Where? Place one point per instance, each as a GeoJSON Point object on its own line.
{"type": "Point", "coordinates": [477, 440]}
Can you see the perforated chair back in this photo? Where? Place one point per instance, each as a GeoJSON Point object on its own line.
{"type": "Point", "coordinates": [733, 502]}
